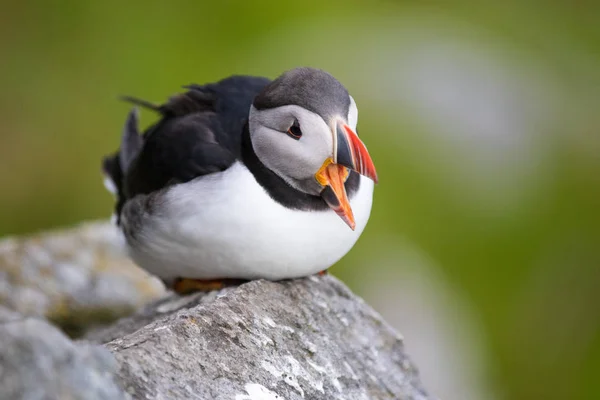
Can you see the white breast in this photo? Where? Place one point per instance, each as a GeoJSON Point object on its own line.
{"type": "Point", "coordinates": [225, 225]}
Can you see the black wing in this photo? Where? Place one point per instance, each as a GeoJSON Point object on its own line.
{"type": "Point", "coordinates": [200, 132]}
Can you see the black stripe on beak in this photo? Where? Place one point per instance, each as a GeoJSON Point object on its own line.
{"type": "Point", "coordinates": [344, 151]}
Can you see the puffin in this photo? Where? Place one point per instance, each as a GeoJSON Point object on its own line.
{"type": "Point", "coordinates": [242, 179]}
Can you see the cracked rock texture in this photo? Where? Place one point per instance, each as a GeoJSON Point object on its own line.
{"type": "Point", "coordinates": [76, 278]}
{"type": "Point", "coordinates": [303, 339]}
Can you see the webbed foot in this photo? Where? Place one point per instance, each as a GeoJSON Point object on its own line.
{"type": "Point", "coordinates": [188, 285]}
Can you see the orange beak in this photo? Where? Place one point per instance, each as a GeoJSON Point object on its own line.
{"type": "Point", "coordinates": [349, 153]}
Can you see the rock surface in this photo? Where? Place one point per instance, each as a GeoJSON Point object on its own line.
{"type": "Point", "coordinates": [76, 278]}
{"type": "Point", "coordinates": [37, 361]}
{"type": "Point", "coordinates": [303, 339]}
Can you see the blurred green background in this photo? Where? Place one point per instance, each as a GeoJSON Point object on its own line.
{"type": "Point", "coordinates": [483, 120]}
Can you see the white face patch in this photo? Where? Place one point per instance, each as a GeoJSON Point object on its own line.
{"type": "Point", "coordinates": [295, 161]}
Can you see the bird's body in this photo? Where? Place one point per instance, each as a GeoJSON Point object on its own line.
{"type": "Point", "coordinates": [195, 199]}
{"type": "Point", "coordinates": [225, 225]}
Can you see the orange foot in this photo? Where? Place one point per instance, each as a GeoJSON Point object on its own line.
{"type": "Point", "coordinates": [322, 273]}
{"type": "Point", "coordinates": [187, 285]}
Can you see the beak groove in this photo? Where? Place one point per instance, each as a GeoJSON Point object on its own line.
{"type": "Point", "coordinates": [351, 152]}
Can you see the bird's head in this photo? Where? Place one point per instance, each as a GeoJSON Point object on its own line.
{"type": "Point", "coordinates": [303, 128]}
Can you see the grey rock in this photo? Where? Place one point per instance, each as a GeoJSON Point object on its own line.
{"type": "Point", "coordinates": [78, 277]}
{"type": "Point", "coordinates": [38, 362]}
{"type": "Point", "coordinates": [302, 339]}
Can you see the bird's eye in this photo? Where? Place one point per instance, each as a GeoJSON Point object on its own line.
{"type": "Point", "coordinates": [295, 130]}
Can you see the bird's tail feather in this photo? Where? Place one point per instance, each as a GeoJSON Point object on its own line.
{"type": "Point", "coordinates": [116, 165]}
{"type": "Point", "coordinates": [142, 103]}
{"type": "Point", "coordinates": [131, 141]}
